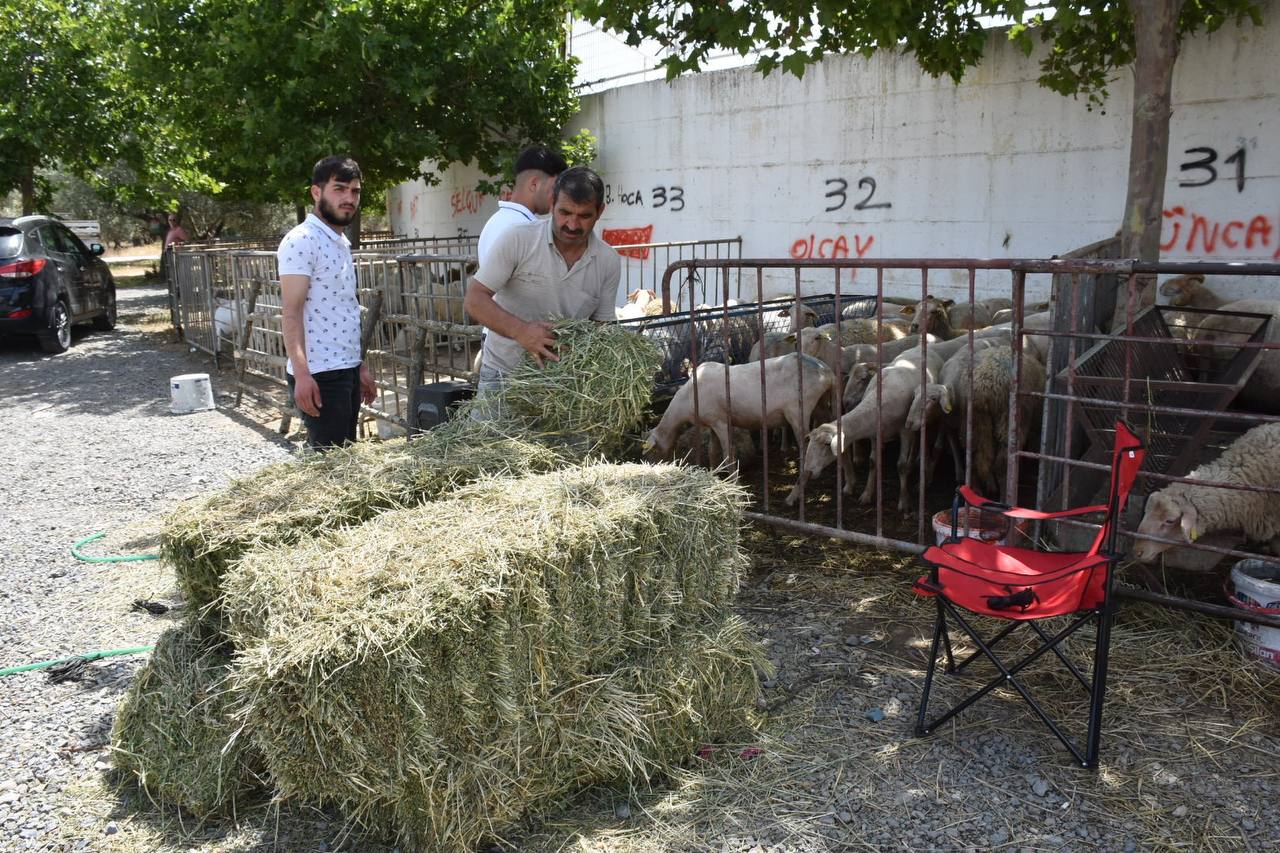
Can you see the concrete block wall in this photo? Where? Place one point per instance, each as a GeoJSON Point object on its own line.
{"type": "Point", "coordinates": [872, 158]}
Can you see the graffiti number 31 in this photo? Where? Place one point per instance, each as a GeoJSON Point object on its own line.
{"type": "Point", "coordinates": [1205, 165]}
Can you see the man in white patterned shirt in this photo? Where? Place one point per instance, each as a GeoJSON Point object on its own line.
{"type": "Point", "coordinates": [321, 313]}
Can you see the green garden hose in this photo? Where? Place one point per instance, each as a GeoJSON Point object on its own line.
{"type": "Point", "coordinates": [87, 656]}
{"type": "Point", "coordinates": [75, 552]}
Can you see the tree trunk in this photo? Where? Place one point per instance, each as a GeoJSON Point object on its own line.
{"type": "Point", "coordinates": [302, 214]}
{"type": "Point", "coordinates": [1155, 27]}
{"type": "Point", "coordinates": [27, 185]}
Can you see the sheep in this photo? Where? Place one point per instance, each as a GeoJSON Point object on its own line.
{"type": "Point", "coordinates": [897, 383]}
{"type": "Point", "coordinates": [1186, 511]}
{"type": "Point", "coordinates": [801, 316]}
{"type": "Point", "coordinates": [1005, 315]}
{"type": "Point", "coordinates": [746, 406]}
{"type": "Point", "coordinates": [988, 396]}
{"type": "Point", "coordinates": [977, 315]}
{"type": "Point", "coordinates": [1262, 391]}
{"type": "Point", "coordinates": [638, 305]}
{"type": "Point", "coordinates": [1188, 291]}
{"type": "Point", "coordinates": [866, 330]}
{"type": "Point", "coordinates": [931, 312]}
{"type": "Point", "coordinates": [927, 405]}
{"type": "Point", "coordinates": [819, 342]}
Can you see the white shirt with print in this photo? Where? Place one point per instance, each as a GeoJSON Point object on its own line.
{"type": "Point", "coordinates": [331, 315]}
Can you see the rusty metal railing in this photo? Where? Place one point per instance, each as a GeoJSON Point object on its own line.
{"type": "Point", "coordinates": [1132, 392]}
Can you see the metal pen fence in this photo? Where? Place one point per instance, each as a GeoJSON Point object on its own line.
{"type": "Point", "coordinates": [850, 400]}
{"type": "Point", "coordinates": [227, 302]}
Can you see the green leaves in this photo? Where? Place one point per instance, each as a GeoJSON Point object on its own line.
{"type": "Point", "coordinates": [1089, 40]}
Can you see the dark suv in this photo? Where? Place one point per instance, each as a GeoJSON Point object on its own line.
{"type": "Point", "coordinates": [49, 281]}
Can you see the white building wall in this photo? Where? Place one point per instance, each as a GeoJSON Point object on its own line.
{"type": "Point", "coordinates": [916, 167]}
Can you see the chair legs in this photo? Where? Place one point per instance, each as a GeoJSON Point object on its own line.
{"type": "Point", "coordinates": [1008, 674]}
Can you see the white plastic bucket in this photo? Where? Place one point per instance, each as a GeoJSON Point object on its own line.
{"type": "Point", "coordinates": [191, 392]}
{"type": "Point", "coordinates": [1257, 588]}
{"type": "Point", "coordinates": [988, 527]}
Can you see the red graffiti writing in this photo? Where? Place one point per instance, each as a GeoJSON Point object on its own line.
{"type": "Point", "coordinates": [1199, 235]}
{"type": "Point", "coordinates": [629, 237]}
{"type": "Point", "coordinates": [466, 202]}
{"type": "Point", "coordinates": [413, 208]}
{"type": "Point", "coordinates": [830, 247]}
{"type": "Point", "coordinates": [399, 206]}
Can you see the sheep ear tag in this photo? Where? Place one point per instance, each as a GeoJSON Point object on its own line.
{"type": "Point", "coordinates": [946, 406]}
{"type": "Point", "coordinates": [647, 446]}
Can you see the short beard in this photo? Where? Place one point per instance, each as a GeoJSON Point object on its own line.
{"type": "Point", "coordinates": [333, 217]}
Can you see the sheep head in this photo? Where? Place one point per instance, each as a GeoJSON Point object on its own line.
{"type": "Point", "coordinates": [1169, 515]}
{"type": "Point", "coordinates": [1181, 291]}
{"type": "Point", "coordinates": [819, 449]}
{"type": "Point", "coordinates": [657, 447]}
{"type": "Point", "coordinates": [929, 315]}
{"type": "Point", "coordinates": [856, 386]}
{"type": "Point", "coordinates": [925, 407]}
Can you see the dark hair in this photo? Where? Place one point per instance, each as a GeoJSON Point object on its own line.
{"type": "Point", "coordinates": [339, 166]}
{"type": "Point", "coordinates": [542, 158]}
{"type": "Point", "coordinates": [580, 184]}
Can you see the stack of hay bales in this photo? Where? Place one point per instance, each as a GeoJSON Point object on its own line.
{"type": "Point", "coordinates": [174, 728]}
{"type": "Point", "coordinates": [289, 501]}
{"type": "Point", "coordinates": [440, 636]}
{"type": "Point", "coordinates": [439, 672]}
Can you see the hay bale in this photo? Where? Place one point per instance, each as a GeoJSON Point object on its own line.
{"type": "Point", "coordinates": [286, 502]}
{"type": "Point", "coordinates": [173, 730]}
{"type": "Point", "coordinates": [595, 395]}
{"type": "Point", "coordinates": [440, 671]}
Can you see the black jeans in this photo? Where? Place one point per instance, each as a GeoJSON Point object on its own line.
{"type": "Point", "coordinates": [339, 408]}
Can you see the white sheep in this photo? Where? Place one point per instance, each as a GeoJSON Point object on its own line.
{"type": "Point", "coordinates": [1186, 511]}
{"type": "Point", "coordinates": [1262, 391]}
{"type": "Point", "coordinates": [931, 314]}
{"type": "Point", "coordinates": [897, 383]}
{"type": "Point", "coordinates": [1188, 291]}
{"type": "Point", "coordinates": [639, 303]}
{"type": "Point", "coordinates": [988, 396]}
{"type": "Point", "coordinates": [801, 316]}
{"type": "Point", "coordinates": [748, 404]}
{"type": "Point", "coordinates": [927, 405]}
{"type": "Point", "coordinates": [820, 342]}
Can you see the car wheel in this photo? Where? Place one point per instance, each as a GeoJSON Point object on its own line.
{"type": "Point", "coordinates": [107, 321]}
{"type": "Point", "coordinates": [58, 337]}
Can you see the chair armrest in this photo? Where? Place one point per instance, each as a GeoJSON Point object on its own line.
{"type": "Point", "coordinates": [972, 498]}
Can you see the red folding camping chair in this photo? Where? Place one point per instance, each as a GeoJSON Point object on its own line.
{"type": "Point", "coordinates": [1024, 586]}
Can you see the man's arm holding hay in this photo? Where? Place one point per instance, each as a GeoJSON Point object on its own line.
{"type": "Point", "coordinates": [537, 338]}
{"type": "Point", "coordinates": [497, 269]}
{"type": "Point", "coordinates": [306, 393]}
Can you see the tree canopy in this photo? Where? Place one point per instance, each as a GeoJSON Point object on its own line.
{"type": "Point", "coordinates": [266, 89]}
{"type": "Point", "coordinates": [1088, 41]}
{"type": "Point", "coordinates": [57, 102]}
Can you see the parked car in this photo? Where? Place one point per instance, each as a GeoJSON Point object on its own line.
{"type": "Point", "coordinates": [50, 281]}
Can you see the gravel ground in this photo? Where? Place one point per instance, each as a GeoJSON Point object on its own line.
{"type": "Point", "coordinates": [1191, 750]}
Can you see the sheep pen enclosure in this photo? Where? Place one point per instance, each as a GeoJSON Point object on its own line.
{"type": "Point", "coordinates": [1032, 373]}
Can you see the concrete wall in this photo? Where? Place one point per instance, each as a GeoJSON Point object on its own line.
{"type": "Point", "coordinates": [871, 158]}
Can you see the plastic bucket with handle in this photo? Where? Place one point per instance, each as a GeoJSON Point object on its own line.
{"type": "Point", "coordinates": [1257, 588]}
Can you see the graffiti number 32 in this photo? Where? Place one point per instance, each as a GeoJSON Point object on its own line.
{"type": "Point", "coordinates": [1205, 166]}
{"type": "Point", "coordinates": [838, 188]}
